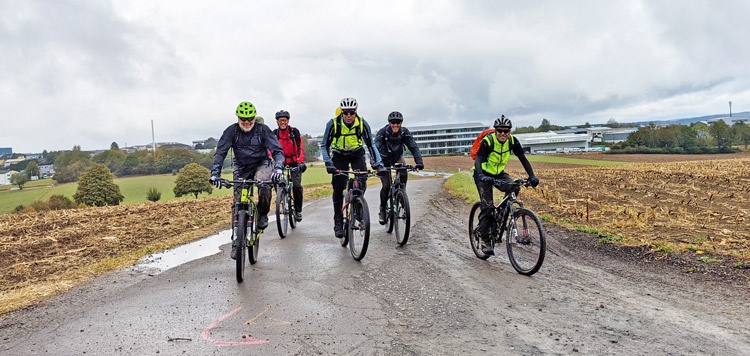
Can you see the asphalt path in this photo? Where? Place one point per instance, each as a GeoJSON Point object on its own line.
{"type": "Point", "coordinates": [307, 296]}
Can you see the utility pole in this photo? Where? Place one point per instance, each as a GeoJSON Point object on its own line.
{"type": "Point", "coordinates": [730, 108]}
{"type": "Point", "coordinates": [153, 140]}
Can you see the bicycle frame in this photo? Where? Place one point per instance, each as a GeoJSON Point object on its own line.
{"type": "Point", "coordinates": [507, 208]}
{"type": "Point", "coordinates": [356, 215]}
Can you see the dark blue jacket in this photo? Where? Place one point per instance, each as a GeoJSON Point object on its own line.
{"type": "Point", "coordinates": [250, 148]}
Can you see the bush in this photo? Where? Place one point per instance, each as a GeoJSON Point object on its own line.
{"type": "Point", "coordinates": [96, 187]}
{"type": "Point", "coordinates": [153, 194]}
{"type": "Point", "coordinates": [59, 202]}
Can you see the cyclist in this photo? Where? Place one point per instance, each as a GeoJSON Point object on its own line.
{"type": "Point", "coordinates": [251, 143]}
{"type": "Point", "coordinates": [390, 141]}
{"type": "Point", "coordinates": [345, 137]}
{"type": "Point", "coordinates": [492, 157]}
{"type": "Point", "coordinates": [294, 156]}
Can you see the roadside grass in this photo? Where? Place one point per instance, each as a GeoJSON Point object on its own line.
{"type": "Point", "coordinates": [462, 185]}
{"type": "Point", "coordinates": [134, 189]}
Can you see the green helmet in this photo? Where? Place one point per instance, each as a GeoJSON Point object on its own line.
{"type": "Point", "coordinates": [246, 110]}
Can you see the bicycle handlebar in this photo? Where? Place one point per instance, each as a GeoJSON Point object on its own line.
{"type": "Point", "coordinates": [344, 172]}
{"type": "Point", "coordinates": [400, 168]}
{"type": "Point", "coordinates": [517, 183]}
{"type": "Point", "coordinates": [230, 183]}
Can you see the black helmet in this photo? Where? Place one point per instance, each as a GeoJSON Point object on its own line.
{"type": "Point", "coordinates": [503, 121]}
{"type": "Point", "coordinates": [282, 113]}
{"type": "Point", "coordinates": [395, 117]}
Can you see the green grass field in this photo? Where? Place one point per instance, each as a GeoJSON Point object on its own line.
{"type": "Point", "coordinates": [133, 188]}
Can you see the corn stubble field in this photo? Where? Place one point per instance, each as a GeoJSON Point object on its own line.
{"type": "Point", "coordinates": [698, 205]}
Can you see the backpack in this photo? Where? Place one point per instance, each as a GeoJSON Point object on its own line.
{"type": "Point", "coordinates": [478, 142]}
{"type": "Point", "coordinates": [296, 140]}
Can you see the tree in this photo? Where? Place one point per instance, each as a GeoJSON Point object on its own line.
{"type": "Point", "coordinates": [19, 179]}
{"type": "Point", "coordinates": [114, 146]}
{"type": "Point", "coordinates": [70, 173]}
{"type": "Point", "coordinates": [32, 169]}
{"type": "Point", "coordinates": [723, 135]}
{"type": "Point", "coordinates": [97, 187]}
{"type": "Point", "coordinates": [192, 179]}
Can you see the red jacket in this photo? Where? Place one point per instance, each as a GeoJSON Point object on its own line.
{"type": "Point", "coordinates": [292, 145]}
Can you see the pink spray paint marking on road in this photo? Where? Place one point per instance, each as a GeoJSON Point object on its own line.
{"type": "Point", "coordinates": [249, 339]}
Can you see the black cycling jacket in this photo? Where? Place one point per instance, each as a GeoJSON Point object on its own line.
{"type": "Point", "coordinates": [391, 145]}
{"type": "Point", "coordinates": [250, 148]}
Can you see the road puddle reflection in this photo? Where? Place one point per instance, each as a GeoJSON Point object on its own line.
{"type": "Point", "coordinates": [197, 249]}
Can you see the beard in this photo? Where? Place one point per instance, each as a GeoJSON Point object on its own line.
{"type": "Point", "coordinates": [246, 130]}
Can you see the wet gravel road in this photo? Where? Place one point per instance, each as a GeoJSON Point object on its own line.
{"type": "Point", "coordinates": [307, 296]}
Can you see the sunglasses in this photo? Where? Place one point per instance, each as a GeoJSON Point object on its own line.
{"type": "Point", "coordinates": [503, 131]}
{"type": "Point", "coordinates": [348, 112]}
{"type": "Point", "coordinates": [246, 119]}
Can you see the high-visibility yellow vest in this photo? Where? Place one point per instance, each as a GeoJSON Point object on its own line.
{"type": "Point", "coordinates": [498, 158]}
{"type": "Point", "coordinates": [345, 138]}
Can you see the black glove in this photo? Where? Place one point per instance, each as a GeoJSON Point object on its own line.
{"type": "Point", "coordinates": [534, 181]}
{"type": "Point", "coordinates": [381, 170]}
{"type": "Point", "coordinates": [331, 169]}
{"type": "Point", "coordinates": [419, 166]}
{"type": "Point", "coordinates": [277, 175]}
{"type": "Point", "coordinates": [302, 167]}
{"type": "Point", "coordinates": [216, 181]}
{"type": "Point", "coordinates": [486, 179]}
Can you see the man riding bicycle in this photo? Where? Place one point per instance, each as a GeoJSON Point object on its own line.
{"type": "Point", "coordinates": [492, 157]}
{"type": "Point", "coordinates": [251, 142]}
{"type": "Point", "coordinates": [390, 141]}
{"type": "Point", "coordinates": [294, 156]}
{"type": "Point", "coordinates": [345, 136]}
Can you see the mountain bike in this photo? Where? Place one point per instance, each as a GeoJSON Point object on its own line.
{"type": "Point", "coordinates": [356, 215]}
{"type": "Point", "coordinates": [244, 221]}
{"type": "Point", "coordinates": [285, 210]}
{"type": "Point", "coordinates": [398, 215]}
{"type": "Point", "coordinates": [525, 239]}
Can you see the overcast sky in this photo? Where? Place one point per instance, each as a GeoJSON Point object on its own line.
{"type": "Point", "coordinates": [90, 73]}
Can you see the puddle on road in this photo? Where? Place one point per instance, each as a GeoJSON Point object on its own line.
{"type": "Point", "coordinates": [183, 254]}
{"type": "Point", "coordinates": [197, 249]}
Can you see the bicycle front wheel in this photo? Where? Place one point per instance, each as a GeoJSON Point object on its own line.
{"type": "Point", "coordinates": [241, 243]}
{"type": "Point", "coordinates": [474, 240]}
{"type": "Point", "coordinates": [526, 242]}
{"type": "Point", "coordinates": [359, 228]}
{"type": "Point", "coordinates": [282, 212]}
{"type": "Point", "coordinates": [253, 238]}
{"type": "Point", "coordinates": [402, 217]}
{"type": "Point", "coordinates": [292, 211]}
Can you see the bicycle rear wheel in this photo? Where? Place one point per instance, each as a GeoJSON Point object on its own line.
{"type": "Point", "coordinates": [474, 240]}
{"type": "Point", "coordinates": [241, 243]}
{"type": "Point", "coordinates": [402, 218]}
{"type": "Point", "coordinates": [526, 242]}
{"type": "Point", "coordinates": [359, 228]}
{"type": "Point", "coordinates": [253, 239]}
{"type": "Point", "coordinates": [282, 212]}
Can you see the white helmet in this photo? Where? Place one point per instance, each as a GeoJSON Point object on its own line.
{"type": "Point", "coordinates": [348, 104]}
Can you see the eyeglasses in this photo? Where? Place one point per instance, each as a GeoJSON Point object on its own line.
{"type": "Point", "coordinates": [348, 112]}
{"type": "Point", "coordinates": [505, 131]}
{"type": "Point", "coordinates": [246, 119]}
{"type": "Point", "coordinates": [395, 123]}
